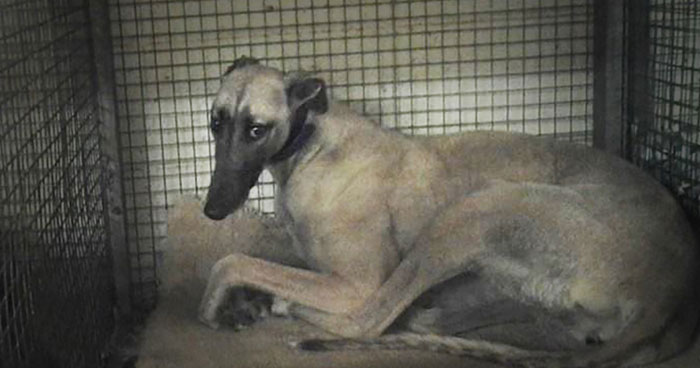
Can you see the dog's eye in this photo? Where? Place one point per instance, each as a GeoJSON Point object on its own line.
{"type": "Point", "coordinates": [215, 125]}
{"type": "Point", "coordinates": [257, 131]}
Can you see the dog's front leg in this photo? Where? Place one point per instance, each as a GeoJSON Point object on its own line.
{"type": "Point", "coordinates": [370, 319]}
{"type": "Point", "coordinates": [327, 293]}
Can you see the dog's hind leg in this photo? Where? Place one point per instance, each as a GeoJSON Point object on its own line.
{"type": "Point", "coordinates": [475, 307]}
{"type": "Point", "coordinates": [451, 247]}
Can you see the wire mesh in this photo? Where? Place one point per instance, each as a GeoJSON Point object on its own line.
{"type": "Point", "coordinates": [56, 295]}
{"type": "Point", "coordinates": [669, 146]}
{"type": "Point", "coordinates": [423, 67]}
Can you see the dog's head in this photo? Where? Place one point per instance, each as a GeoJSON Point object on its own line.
{"type": "Point", "coordinates": [258, 117]}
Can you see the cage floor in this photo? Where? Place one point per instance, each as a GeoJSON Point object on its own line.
{"type": "Point", "coordinates": [174, 337]}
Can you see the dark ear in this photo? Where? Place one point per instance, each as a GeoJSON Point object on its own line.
{"type": "Point", "coordinates": [241, 62]}
{"type": "Point", "coordinates": [303, 95]}
{"type": "Point", "coordinates": [308, 94]}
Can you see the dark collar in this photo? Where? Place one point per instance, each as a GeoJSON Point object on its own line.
{"type": "Point", "coordinates": [299, 134]}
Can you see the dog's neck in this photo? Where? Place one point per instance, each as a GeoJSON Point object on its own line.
{"type": "Point", "coordinates": [283, 162]}
{"type": "Point", "coordinates": [330, 131]}
{"type": "Point", "coordinates": [299, 134]}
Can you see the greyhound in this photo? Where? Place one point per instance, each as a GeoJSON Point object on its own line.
{"type": "Point", "coordinates": [512, 248]}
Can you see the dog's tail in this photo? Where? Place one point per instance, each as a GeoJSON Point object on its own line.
{"type": "Point", "coordinates": [659, 348]}
{"type": "Point", "coordinates": [677, 335]}
{"type": "Point", "coordinates": [479, 349]}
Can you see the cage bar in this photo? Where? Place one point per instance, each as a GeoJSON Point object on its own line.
{"type": "Point", "coordinates": [112, 190]}
{"type": "Point", "coordinates": [609, 78]}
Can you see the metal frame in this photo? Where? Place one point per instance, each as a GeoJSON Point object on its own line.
{"type": "Point", "coordinates": [113, 194]}
{"type": "Point", "coordinates": [647, 63]}
{"type": "Point", "coordinates": [608, 78]}
{"type": "Point", "coordinates": [638, 110]}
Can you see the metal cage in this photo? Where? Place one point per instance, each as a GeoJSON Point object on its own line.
{"type": "Point", "coordinates": [104, 119]}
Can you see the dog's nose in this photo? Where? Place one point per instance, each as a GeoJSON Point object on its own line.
{"type": "Point", "coordinates": [214, 212]}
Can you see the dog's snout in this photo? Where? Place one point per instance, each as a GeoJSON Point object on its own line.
{"type": "Point", "coordinates": [228, 191]}
{"type": "Point", "coordinates": [214, 212]}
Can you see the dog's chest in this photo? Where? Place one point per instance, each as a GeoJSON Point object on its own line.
{"type": "Point", "coordinates": [343, 212]}
{"type": "Point", "coordinates": [297, 223]}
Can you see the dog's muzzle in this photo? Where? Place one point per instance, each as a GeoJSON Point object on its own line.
{"type": "Point", "coordinates": [228, 191]}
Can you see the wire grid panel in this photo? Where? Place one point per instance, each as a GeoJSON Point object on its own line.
{"type": "Point", "coordinates": [423, 67]}
{"type": "Point", "coordinates": [56, 299]}
{"type": "Point", "coordinates": [670, 148]}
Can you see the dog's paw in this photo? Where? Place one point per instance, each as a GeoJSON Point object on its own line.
{"type": "Point", "coordinates": [243, 307]}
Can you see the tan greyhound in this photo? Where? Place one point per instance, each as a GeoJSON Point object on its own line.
{"type": "Point", "coordinates": [516, 249]}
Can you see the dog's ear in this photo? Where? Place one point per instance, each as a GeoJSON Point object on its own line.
{"type": "Point", "coordinates": [308, 93]}
{"type": "Point", "coordinates": [241, 62]}
{"type": "Point", "coordinates": [304, 94]}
